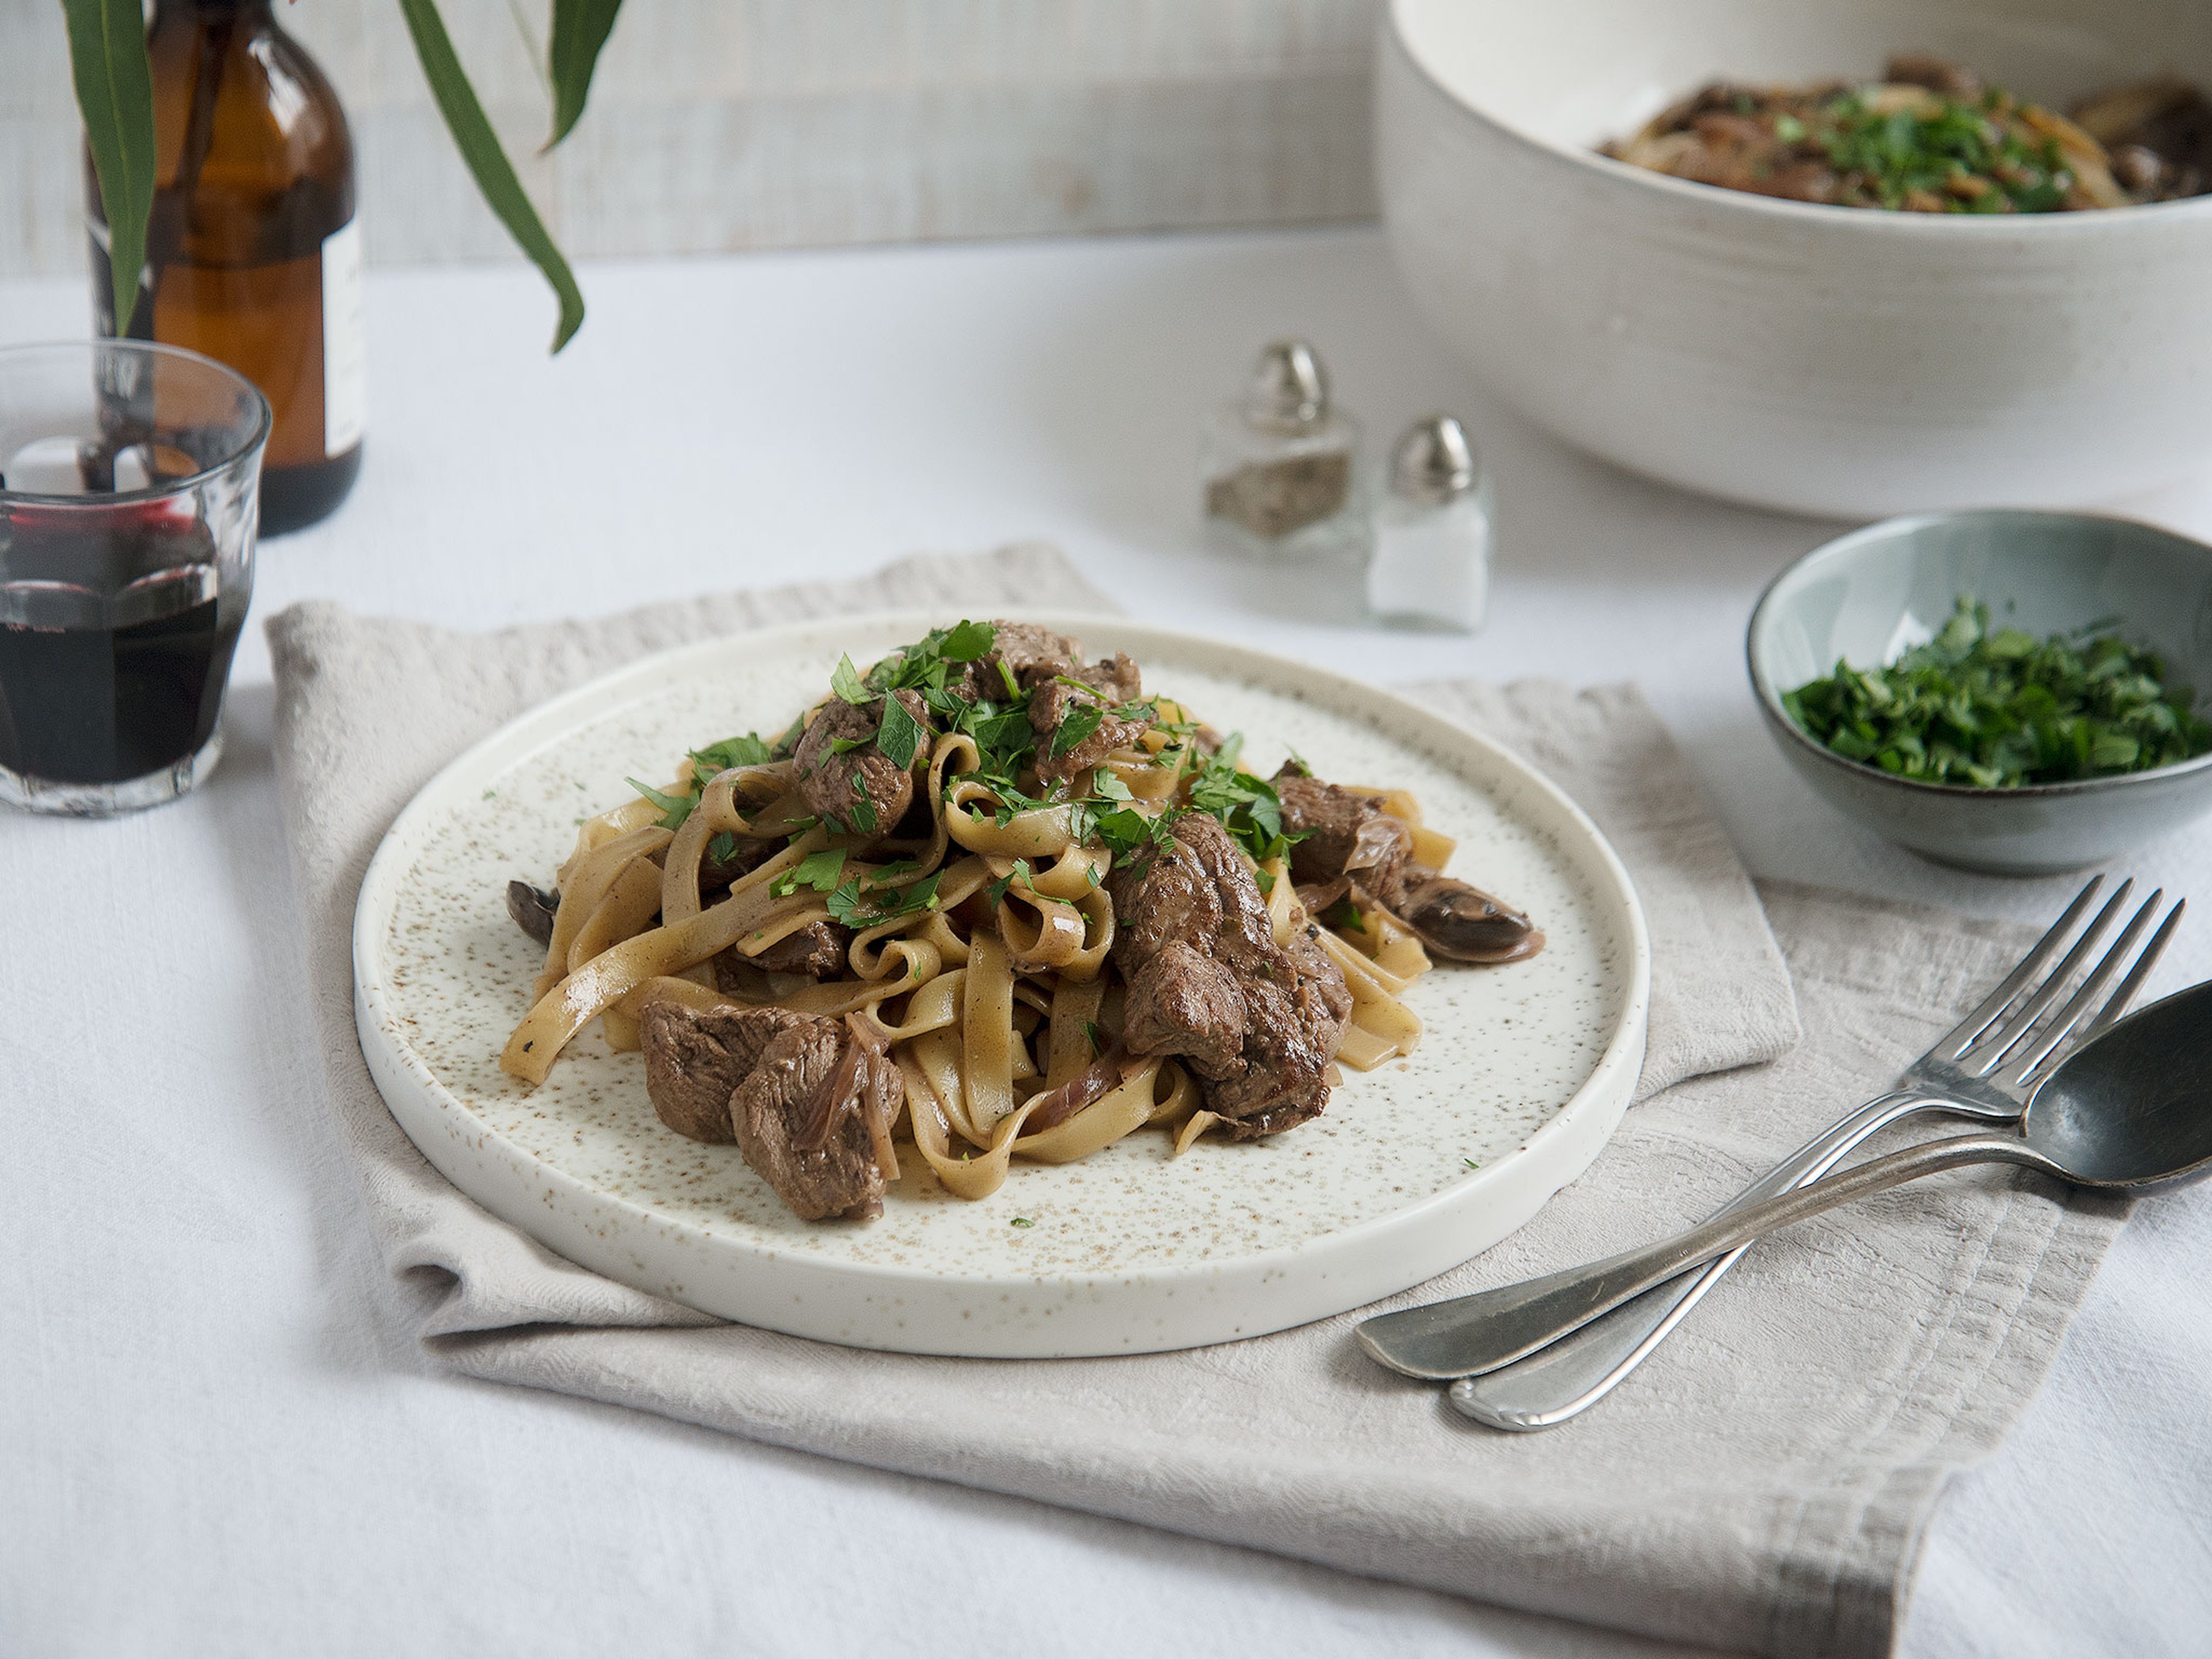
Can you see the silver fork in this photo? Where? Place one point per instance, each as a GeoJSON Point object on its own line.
{"type": "Point", "coordinates": [1985, 1067]}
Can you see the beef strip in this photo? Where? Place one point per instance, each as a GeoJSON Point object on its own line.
{"type": "Point", "coordinates": [1113, 682]}
{"type": "Point", "coordinates": [830, 782]}
{"type": "Point", "coordinates": [1352, 847]}
{"type": "Point", "coordinates": [794, 1091]}
{"type": "Point", "coordinates": [1190, 1004]}
{"type": "Point", "coordinates": [1345, 834]}
{"type": "Point", "coordinates": [694, 1062]}
{"type": "Point", "coordinates": [816, 950]}
{"type": "Point", "coordinates": [1258, 1022]}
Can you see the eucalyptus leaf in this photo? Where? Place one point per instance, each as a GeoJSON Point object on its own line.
{"type": "Point", "coordinates": [115, 96]}
{"type": "Point", "coordinates": [480, 149]}
{"type": "Point", "coordinates": [581, 28]}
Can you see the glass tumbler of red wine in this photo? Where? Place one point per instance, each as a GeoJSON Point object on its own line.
{"type": "Point", "coordinates": [128, 480]}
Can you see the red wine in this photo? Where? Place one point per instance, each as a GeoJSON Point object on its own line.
{"type": "Point", "coordinates": [103, 687]}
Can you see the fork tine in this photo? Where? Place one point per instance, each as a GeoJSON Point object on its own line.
{"type": "Point", "coordinates": [2053, 1036]}
{"type": "Point", "coordinates": [2019, 1022]}
{"type": "Point", "coordinates": [2117, 1004]}
{"type": "Point", "coordinates": [1963, 1035]}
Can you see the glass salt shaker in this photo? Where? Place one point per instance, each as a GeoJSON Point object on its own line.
{"type": "Point", "coordinates": [1279, 465]}
{"type": "Point", "coordinates": [1433, 512]}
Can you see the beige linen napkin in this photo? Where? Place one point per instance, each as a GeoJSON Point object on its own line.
{"type": "Point", "coordinates": [1760, 1486]}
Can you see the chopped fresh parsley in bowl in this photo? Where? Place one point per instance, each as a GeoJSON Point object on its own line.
{"type": "Point", "coordinates": [1998, 708]}
{"type": "Point", "coordinates": [2058, 716]}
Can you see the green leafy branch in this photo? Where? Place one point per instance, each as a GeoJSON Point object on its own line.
{"type": "Point", "coordinates": [115, 97]}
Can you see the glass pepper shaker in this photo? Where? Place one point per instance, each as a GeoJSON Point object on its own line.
{"type": "Point", "coordinates": [1430, 564]}
{"type": "Point", "coordinates": [1279, 465]}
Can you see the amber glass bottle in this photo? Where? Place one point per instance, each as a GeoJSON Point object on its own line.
{"type": "Point", "coordinates": [252, 254]}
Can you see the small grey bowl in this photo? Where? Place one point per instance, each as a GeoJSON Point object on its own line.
{"type": "Point", "coordinates": [1866, 596]}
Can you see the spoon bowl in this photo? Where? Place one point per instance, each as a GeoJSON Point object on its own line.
{"type": "Point", "coordinates": [2131, 1110]}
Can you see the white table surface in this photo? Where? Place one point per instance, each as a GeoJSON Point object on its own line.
{"type": "Point", "coordinates": [216, 1436]}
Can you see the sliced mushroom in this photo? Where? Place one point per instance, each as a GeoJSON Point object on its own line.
{"type": "Point", "coordinates": [532, 909]}
{"type": "Point", "coordinates": [1464, 923]}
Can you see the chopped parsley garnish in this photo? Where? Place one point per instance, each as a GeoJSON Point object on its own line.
{"type": "Point", "coordinates": [1098, 1043]}
{"type": "Point", "coordinates": [881, 901]}
{"type": "Point", "coordinates": [1124, 830]}
{"type": "Point", "coordinates": [929, 659]}
{"type": "Point", "coordinates": [995, 893]}
{"type": "Point", "coordinates": [787, 745]}
{"type": "Point", "coordinates": [819, 870]}
{"type": "Point", "coordinates": [900, 734]}
{"type": "Point", "coordinates": [723, 847]}
{"type": "Point", "coordinates": [846, 683]}
{"type": "Point", "coordinates": [1077, 724]}
{"type": "Point", "coordinates": [748, 750]}
{"type": "Point", "coordinates": [1998, 710]}
{"type": "Point", "coordinates": [1344, 914]}
{"type": "Point", "coordinates": [864, 815]}
{"type": "Point", "coordinates": [1247, 806]}
{"type": "Point", "coordinates": [674, 808]}
{"type": "Point", "coordinates": [1004, 737]}
{"type": "Point", "coordinates": [1020, 1221]}
{"type": "Point", "coordinates": [967, 642]}
{"type": "Point", "coordinates": [1948, 154]}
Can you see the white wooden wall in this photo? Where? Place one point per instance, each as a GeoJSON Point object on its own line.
{"type": "Point", "coordinates": [733, 124]}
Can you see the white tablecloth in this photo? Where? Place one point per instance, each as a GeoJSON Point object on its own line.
{"type": "Point", "coordinates": [215, 1440]}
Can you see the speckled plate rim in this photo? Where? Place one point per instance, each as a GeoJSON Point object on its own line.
{"type": "Point", "coordinates": [907, 1310]}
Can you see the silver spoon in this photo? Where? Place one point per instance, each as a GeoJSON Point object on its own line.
{"type": "Point", "coordinates": [2130, 1111]}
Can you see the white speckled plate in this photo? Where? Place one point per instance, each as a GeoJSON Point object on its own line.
{"type": "Point", "coordinates": [1522, 1075]}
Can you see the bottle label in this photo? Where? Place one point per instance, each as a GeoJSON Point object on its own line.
{"type": "Point", "coordinates": [345, 341]}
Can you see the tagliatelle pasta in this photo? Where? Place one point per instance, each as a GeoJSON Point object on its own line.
{"type": "Point", "coordinates": [978, 921]}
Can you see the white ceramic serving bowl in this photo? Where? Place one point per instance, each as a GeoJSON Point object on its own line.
{"type": "Point", "coordinates": [1835, 361]}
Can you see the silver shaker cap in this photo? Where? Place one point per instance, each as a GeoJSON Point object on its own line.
{"type": "Point", "coordinates": [1288, 390]}
{"type": "Point", "coordinates": [1434, 462]}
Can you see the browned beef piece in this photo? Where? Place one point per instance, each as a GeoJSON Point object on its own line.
{"type": "Point", "coordinates": [1031, 655]}
{"type": "Point", "coordinates": [1207, 982]}
{"type": "Point", "coordinates": [816, 950]}
{"type": "Point", "coordinates": [1113, 682]}
{"type": "Point", "coordinates": [795, 1092]}
{"type": "Point", "coordinates": [801, 1119]}
{"type": "Point", "coordinates": [831, 782]}
{"type": "Point", "coordinates": [1345, 834]}
{"type": "Point", "coordinates": [694, 1062]}
{"type": "Point", "coordinates": [1183, 1002]}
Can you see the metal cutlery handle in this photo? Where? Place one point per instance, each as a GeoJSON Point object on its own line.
{"type": "Point", "coordinates": [1470, 1334]}
{"type": "Point", "coordinates": [1574, 1373]}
